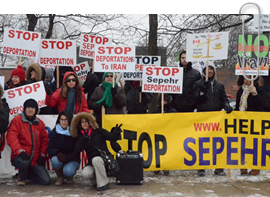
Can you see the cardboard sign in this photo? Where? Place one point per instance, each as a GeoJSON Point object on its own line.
{"type": "Point", "coordinates": [251, 54]}
{"type": "Point", "coordinates": [207, 46]}
{"type": "Point", "coordinates": [58, 52]}
{"type": "Point", "coordinates": [115, 59]}
{"type": "Point", "coordinates": [21, 43]}
{"type": "Point", "coordinates": [88, 43]}
{"type": "Point", "coordinates": [264, 20]}
{"type": "Point", "coordinates": [81, 70]}
{"type": "Point", "coordinates": [162, 80]}
{"type": "Point", "coordinates": [142, 61]}
{"type": "Point", "coordinates": [17, 96]}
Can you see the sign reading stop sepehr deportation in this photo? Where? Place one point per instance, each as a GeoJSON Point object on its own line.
{"type": "Point", "coordinates": [207, 46]}
{"type": "Point", "coordinates": [162, 80]}
{"type": "Point", "coordinates": [21, 43]}
{"type": "Point", "coordinates": [89, 42]}
{"type": "Point", "coordinates": [142, 61]}
{"type": "Point", "coordinates": [81, 70]}
{"type": "Point", "coordinates": [115, 59]}
{"type": "Point", "coordinates": [57, 53]}
{"type": "Point", "coordinates": [17, 96]}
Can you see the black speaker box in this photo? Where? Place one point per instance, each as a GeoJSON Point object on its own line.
{"type": "Point", "coordinates": [131, 168]}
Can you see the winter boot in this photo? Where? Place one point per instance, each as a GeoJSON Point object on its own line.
{"type": "Point", "coordinates": [60, 175]}
{"type": "Point", "coordinates": [70, 179]}
{"type": "Point", "coordinates": [243, 171]}
{"type": "Point", "coordinates": [166, 172]}
{"type": "Point", "coordinates": [219, 172]}
{"type": "Point", "coordinates": [201, 172]}
{"type": "Point", "coordinates": [254, 172]}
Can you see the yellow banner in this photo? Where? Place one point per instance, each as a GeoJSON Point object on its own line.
{"type": "Point", "coordinates": [177, 141]}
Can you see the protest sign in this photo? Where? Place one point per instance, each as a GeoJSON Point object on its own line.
{"type": "Point", "coordinates": [57, 53]}
{"type": "Point", "coordinates": [115, 59]}
{"type": "Point", "coordinates": [142, 61]}
{"type": "Point", "coordinates": [88, 43]}
{"type": "Point", "coordinates": [264, 20]}
{"type": "Point", "coordinates": [207, 46]}
{"type": "Point", "coordinates": [251, 54]}
{"type": "Point", "coordinates": [81, 70]}
{"type": "Point", "coordinates": [21, 43]}
{"type": "Point", "coordinates": [17, 96]}
{"type": "Point", "coordinates": [2, 82]}
{"type": "Point", "coordinates": [162, 80]}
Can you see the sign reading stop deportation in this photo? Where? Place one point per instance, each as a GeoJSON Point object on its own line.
{"type": "Point", "coordinates": [81, 70]}
{"type": "Point", "coordinates": [57, 53]}
{"type": "Point", "coordinates": [21, 43]}
{"type": "Point", "coordinates": [17, 96]}
{"type": "Point", "coordinates": [142, 61]}
{"type": "Point", "coordinates": [88, 43]}
{"type": "Point", "coordinates": [115, 59]}
{"type": "Point", "coordinates": [162, 80]}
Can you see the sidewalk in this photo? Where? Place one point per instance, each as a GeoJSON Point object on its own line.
{"type": "Point", "coordinates": [178, 183]}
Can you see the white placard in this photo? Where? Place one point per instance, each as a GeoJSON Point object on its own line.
{"type": "Point", "coordinates": [88, 43]}
{"type": "Point", "coordinates": [207, 46]}
{"type": "Point", "coordinates": [162, 80]}
{"type": "Point", "coordinates": [57, 53]}
{"type": "Point", "coordinates": [2, 81]}
{"type": "Point", "coordinates": [115, 59]}
{"type": "Point", "coordinates": [17, 96]}
{"type": "Point", "coordinates": [81, 70]}
{"type": "Point", "coordinates": [265, 22]}
{"type": "Point", "coordinates": [21, 43]}
{"type": "Point", "coordinates": [142, 61]}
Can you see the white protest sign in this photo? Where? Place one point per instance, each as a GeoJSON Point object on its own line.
{"type": "Point", "coordinates": [17, 96]}
{"type": "Point", "coordinates": [88, 43]}
{"type": "Point", "coordinates": [162, 80]}
{"type": "Point", "coordinates": [115, 59]}
{"type": "Point", "coordinates": [58, 53]}
{"type": "Point", "coordinates": [264, 20]}
{"type": "Point", "coordinates": [207, 46]}
{"type": "Point", "coordinates": [81, 70]}
{"type": "Point", "coordinates": [2, 81]}
{"type": "Point", "coordinates": [141, 61]}
{"type": "Point", "coordinates": [21, 43]}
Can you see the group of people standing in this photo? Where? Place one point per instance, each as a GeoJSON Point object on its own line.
{"type": "Point", "coordinates": [76, 129]}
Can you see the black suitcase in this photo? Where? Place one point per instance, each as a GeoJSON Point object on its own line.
{"type": "Point", "coordinates": [131, 168]}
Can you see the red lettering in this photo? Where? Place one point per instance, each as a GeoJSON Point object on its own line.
{"type": "Point", "coordinates": [11, 33]}
{"type": "Point", "coordinates": [127, 49]}
{"type": "Point", "coordinates": [98, 40]}
{"type": "Point", "coordinates": [36, 86]}
{"type": "Point", "coordinates": [174, 71]}
{"type": "Point", "coordinates": [110, 49]}
{"type": "Point", "coordinates": [26, 35]}
{"type": "Point", "coordinates": [11, 94]}
{"type": "Point", "coordinates": [76, 68]}
{"type": "Point", "coordinates": [44, 44]}
{"type": "Point", "coordinates": [60, 45]}
{"type": "Point", "coordinates": [149, 71]}
{"type": "Point", "coordinates": [105, 40]}
{"type": "Point", "coordinates": [19, 34]}
{"type": "Point", "coordinates": [85, 36]}
{"type": "Point", "coordinates": [101, 50]}
{"type": "Point", "coordinates": [69, 44]}
{"type": "Point", "coordinates": [82, 66]}
{"type": "Point", "coordinates": [35, 35]}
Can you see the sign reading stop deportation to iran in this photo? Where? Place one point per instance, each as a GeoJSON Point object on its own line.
{"type": "Point", "coordinates": [21, 43]}
{"type": "Point", "coordinates": [207, 46]}
{"type": "Point", "coordinates": [115, 59]}
{"type": "Point", "coordinates": [88, 43]}
{"type": "Point", "coordinates": [57, 53]}
{"type": "Point", "coordinates": [162, 80]}
{"type": "Point", "coordinates": [17, 96]}
{"type": "Point", "coordinates": [142, 61]}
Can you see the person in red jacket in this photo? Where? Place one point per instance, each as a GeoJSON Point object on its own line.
{"type": "Point", "coordinates": [69, 97]}
{"type": "Point", "coordinates": [28, 140]}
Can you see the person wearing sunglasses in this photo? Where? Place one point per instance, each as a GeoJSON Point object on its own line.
{"type": "Point", "coordinates": [70, 96]}
{"type": "Point", "coordinates": [64, 158]}
{"type": "Point", "coordinates": [113, 98]}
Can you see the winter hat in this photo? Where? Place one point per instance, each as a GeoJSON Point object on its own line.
{"type": "Point", "coordinates": [19, 72]}
{"type": "Point", "coordinates": [49, 73]}
{"type": "Point", "coordinates": [30, 103]}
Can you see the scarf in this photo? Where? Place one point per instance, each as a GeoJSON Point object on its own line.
{"type": "Point", "coordinates": [61, 131]}
{"type": "Point", "coordinates": [243, 100]}
{"type": "Point", "coordinates": [88, 132]}
{"type": "Point", "coordinates": [71, 101]}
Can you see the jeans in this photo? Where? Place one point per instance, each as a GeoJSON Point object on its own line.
{"type": "Point", "coordinates": [37, 173]}
{"type": "Point", "coordinates": [69, 168]}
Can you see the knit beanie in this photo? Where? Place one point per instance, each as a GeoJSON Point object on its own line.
{"type": "Point", "coordinates": [30, 103]}
{"type": "Point", "coordinates": [49, 73]}
{"type": "Point", "coordinates": [19, 72]}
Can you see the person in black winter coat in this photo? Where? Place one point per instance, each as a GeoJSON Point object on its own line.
{"type": "Point", "coordinates": [186, 101]}
{"type": "Point", "coordinates": [64, 158]}
{"type": "Point", "coordinates": [133, 91]}
{"type": "Point", "coordinates": [92, 81]}
{"type": "Point", "coordinates": [62, 71]}
{"type": "Point", "coordinates": [211, 96]}
{"type": "Point", "coordinates": [91, 138]}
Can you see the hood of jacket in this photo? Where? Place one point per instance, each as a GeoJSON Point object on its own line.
{"type": "Point", "coordinates": [69, 73]}
{"type": "Point", "coordinates": [38, 70]}
{"type": "Point", "coordinates": [77, 119]}
{"type": "Point", "coordinates": [211, 64]}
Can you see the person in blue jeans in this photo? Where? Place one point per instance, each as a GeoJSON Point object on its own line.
{"type": "Point", "coordinates": [64, 158]}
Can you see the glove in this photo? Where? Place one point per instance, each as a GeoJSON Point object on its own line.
{"type": "Point", "coordinates": [80, 146]}
{"type": "Point", "coordinates": [116, 130]}
{"type": "Point", "coordinates": [252, 90]}
{"type": "Point", "coordinates": [228, 109]}
{"type": "Point", "coordinates": [91, 77]}
{"type": "Point", "coordinates": [48, 90]}
{"type": "Point", "coordinates": [24, 156]}
{"type": "Point", "coordinates": [41, 160]}
{"type": "Point", "coordinates": [113, 91]}
{"type": "Point", "coordinates": [205, 86]}
{"type": "Point", "coordinates": [61, 157]}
